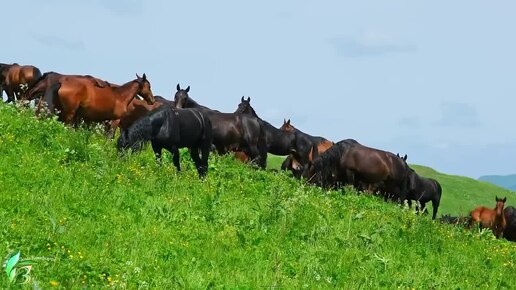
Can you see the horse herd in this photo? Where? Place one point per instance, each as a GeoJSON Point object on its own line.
{"type": "Point", "coordinates": [184, 123]}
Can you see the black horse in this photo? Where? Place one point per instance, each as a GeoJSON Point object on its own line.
{"type": "Point", "coordinates": [423, 189]}
{"type": "Point", "coordinates": [171, 129]}
{"type": "Point", "coordinates": [349, 162]}
{"type": "Point", "coordinates": [231, 132]}
{"type": "Point", "coordinates": [279, 142]}
{"type": "Point", "coordinates": [510, 223]}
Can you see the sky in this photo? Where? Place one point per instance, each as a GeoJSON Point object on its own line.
{"type": "Point", "coordinates": [432, 79]}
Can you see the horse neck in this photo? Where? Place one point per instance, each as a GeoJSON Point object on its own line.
{"type": "Point", "coordinates": [126, 92]}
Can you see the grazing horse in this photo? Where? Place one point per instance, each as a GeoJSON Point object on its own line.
{"type": "Point", "coordinates": [78, 98]}
{"type": "Point", "coordinates": [136, 109]}
{"type": "Point", "coordinates": [423, 189]}
{"type": "Point", "coordinates": [169, 128]}
{"type": "Point", "coordinates": [14, 75]}
{"type": "Point", "coordinates": [510, 219]}
{"type": "Point", "coordinates": [349, 162]}
{"type": "Point", "coordinates": [231, 132]}
{"type": "Point", "coordinates": [279, 142]}
{"type": "Point", "coordinates": [491, 218]}
{"type": "Point", "coordinates": [304, 147]}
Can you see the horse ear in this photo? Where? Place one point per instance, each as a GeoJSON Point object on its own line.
{"type": "Point", "coordinates": [288, 121]}
{"type": "Point", "coordinates": [248, 99]}
{"type": "Point", "coordinates": [505, 199]}
{"type": "Point", "coordinates": [397, 154]}
{"type": "Point", "coordinates": [187, 89]}
{"type": "Point", "coordinates": [405, 157]}
{"type": "Point", "coordinates": [178, 87]}
{"type": "Point", "coordinates": [242, 99]}
{"type": "Point", "coordinates": [137, 76]}
{"type": "Point", "coordinates": [284, 121]}
{"type": "Point", "coordinates": [496, 198]}
{"type": "Point", "coordinates": [144, 77]}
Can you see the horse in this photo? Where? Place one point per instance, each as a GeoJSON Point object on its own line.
{"type": "Point", "coordinates": [510, 219]}
{"type": "Point", "coordinates": [279, 142]}
{"type": "Point", "coordinates": [231, 132]}
{"type": "Point", "coordinates": [136, 109]}
{"type": "Point", "coordinates": [490, 218]}
{"type": "Point", "coordinates": [423, 189]}
{"type": "Point", "coordinates": [169, 128]}
{"type": "Point", "coordinates": [304, 146]}
{"type": "Point", "coordinates": [12, 76]}
{"type": "Point", "coordinates": [349, 162]}
{"type": "Point", "coordinates": [455, 220]}
{"type": "Point", "coordinates": [78, 98]}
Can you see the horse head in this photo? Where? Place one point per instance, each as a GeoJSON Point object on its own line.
{"type": "Point", "coordinates": [287, 126]}
{"type": "Point", "coordinates": [144, 89]}
{"type": "Point", "coordinates": [500, 203]}
{"type": "Point", "coordinates": [181, 96]}
{"type": "Point", "coordinates": [245, 107]}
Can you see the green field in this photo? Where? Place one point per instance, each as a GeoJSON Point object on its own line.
{"type": "Point", "coordinates": [92, 220]}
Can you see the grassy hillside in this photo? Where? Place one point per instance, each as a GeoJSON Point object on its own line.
{"type": "Point", "coordinates": [92, 220]}
{"type": "Point", "coordinates": [506, 181]}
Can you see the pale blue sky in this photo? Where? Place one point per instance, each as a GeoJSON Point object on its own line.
{"type": "Point", "coordinates": [433, 79]}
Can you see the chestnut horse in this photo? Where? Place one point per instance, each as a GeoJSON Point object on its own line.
{"type": "Point", "coordinates": [14, 75]}
{"type": "Point", "coordinates": [491, 218]}
{"type": "Point", "coordinates": [78, 98]}
{"type": "Point", "coordinates": [304, 147]}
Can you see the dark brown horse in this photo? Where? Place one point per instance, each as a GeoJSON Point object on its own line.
{"type": "Point", "coordinates": [80, 99]}
{"type": "Point", "coordinates": [493, 219]}
{"type": "Point", "coordinates": [231, 132]}
{"type": "Point", "coordinates": [423, 190]}
{"type": "Point", "coordinates": [304, 148]}
{"type": "Point", "coordinates": [12, 76]}
{"type": "Point", "coordinates": [349, 162]}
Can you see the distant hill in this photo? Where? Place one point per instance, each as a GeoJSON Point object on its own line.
{"type": "Point", "coordinates": [505, 181]}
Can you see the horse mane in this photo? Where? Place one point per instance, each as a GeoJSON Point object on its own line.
{"type": "Point", "coordinates": [141, 130]}
{"type": "Point", "coordinates": [328, 160]}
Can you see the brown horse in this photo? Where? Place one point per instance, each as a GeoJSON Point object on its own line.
{"type": "Point", "coordinates": [78, 98]}
{"type": "Point", "coordinates": [12, 76]}
{"type": "Point", "coordinates": [491, 218]}
{"type": "Point", "coordinates": [304, 147]}
{"type": "Point", "coordinates": [349, 162]}
{"type": "Point", "coordinates": [38, 88]}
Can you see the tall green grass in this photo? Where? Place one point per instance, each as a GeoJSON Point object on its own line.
{"type": "Point", "coordinates": [93, 220]}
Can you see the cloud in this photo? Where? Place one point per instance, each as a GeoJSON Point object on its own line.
{"type": "Point", "coordinates": [370, 43]}
{"type": "Point", "coordinates": [52, 40]}
{"type": "Point", "coordinates": [460, 115]}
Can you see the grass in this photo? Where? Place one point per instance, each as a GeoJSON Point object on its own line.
{"type": "Point", "coordinates": [92, 220]}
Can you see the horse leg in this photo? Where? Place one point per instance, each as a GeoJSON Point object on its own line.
{"type": "Point", "coordinates": [194, 153]}
{"type": "Point", "coordinates": [157, 152]}
{"type": "Point", "coordinates": [175, 158]}
{"type": "Point", "coordinates": [205, 153]}
{"type": "Point", "coordinates": [10, 95]}
{"type": "Point", "coordinates": [435, 206]}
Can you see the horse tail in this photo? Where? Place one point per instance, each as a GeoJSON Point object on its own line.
{"type": "Point", "coordinates": [436, 200]}
{"type": "Point", "coordinates": [36, 75]}
{"type": "Point", "coordinates": [51, 94]}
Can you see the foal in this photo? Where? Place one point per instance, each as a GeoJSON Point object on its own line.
{"type": "Point", "coordinates": [490, 218]}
